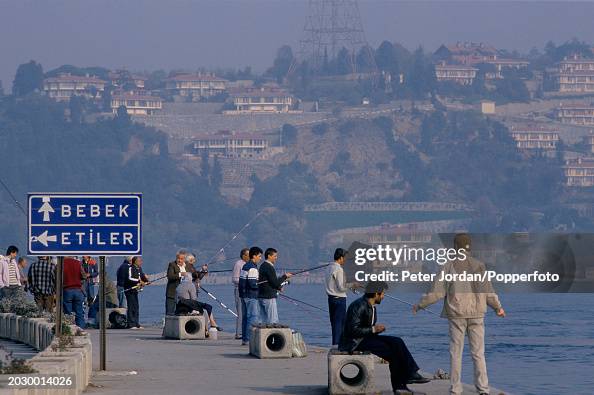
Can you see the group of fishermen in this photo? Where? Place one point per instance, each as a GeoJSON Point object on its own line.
{"type": "Point", "coordinates": [357, 327]}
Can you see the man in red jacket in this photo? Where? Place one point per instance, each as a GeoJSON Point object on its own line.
{"type": "Point", "coordinates": [73, 296]}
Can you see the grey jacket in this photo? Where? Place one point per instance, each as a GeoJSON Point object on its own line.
{"type": "Point", "coordinates": [462, 299]}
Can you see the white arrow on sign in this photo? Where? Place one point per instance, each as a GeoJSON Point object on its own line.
{"type": "Point", "coordinates": [46, 209]}
{"type": "Point", "coordinates": [44, 238]}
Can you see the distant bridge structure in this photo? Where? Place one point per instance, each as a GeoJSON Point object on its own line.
{"type": "Point", "coordinates": [387, 206]}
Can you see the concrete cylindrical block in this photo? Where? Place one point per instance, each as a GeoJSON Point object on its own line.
{"type": "Point", "coordinates": [350, 374]}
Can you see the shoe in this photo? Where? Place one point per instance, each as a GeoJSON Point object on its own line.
{"type": "Point", "coordinates": [218, 328]}
{"type": "Point", "coordinates": [404, 390]}
{"type": "Point", "coordinates": [244, 343]}
{"type": "Point", "coordinates": [417, 379]}
{"type": "Point", "coordinates": [238, 337]}
{"type": "Point", "coordinates": [484, 393]}
{"type": "Point", "coordinates": [139, 327]}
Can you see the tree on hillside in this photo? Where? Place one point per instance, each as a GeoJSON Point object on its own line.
{"type": "Point", "coordinates": [421, 76]}
{"type": "Point", "coordinates": [28, 78]}
{"type": "Point", "coordinates": [386, 58]}
{"type": "Point", "coordinates": [283, 61]}
{"type": "Point", "coordinates": [290, 190]}
{"type": "Point", "coordinates": [205, 167]}
{"type": "Point", "coordinates": [216, 174]}
{"type": "Point", "coordinates": [122, 117]}
{"type": "Point", "coordinates": [77, 108]}
{"type": "Point", "coordinates": [343, 64]}
{"type": "Point", "coordinates": [288, 134]}
{"type": "Point", "coordinates": [365, 59]}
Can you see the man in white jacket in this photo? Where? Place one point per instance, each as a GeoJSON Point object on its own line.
{"type": "Point", "coordinates": [465, 305]}
{"type": "Point", "coordinates": [244, 256]}
{"type": "Point", "coordinates": [10, 278]}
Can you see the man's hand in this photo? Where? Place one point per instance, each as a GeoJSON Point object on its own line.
{"type": "Point", "coordinates": [500, 312]}
{"type": "Point", "coordinates": [288, 275]}
{"type": "Point", "coordinates": [415, 308]}
{"type": "Point", "coordinates": [205, 268]}
{"type": "Point", "coordinates": [379, 328]}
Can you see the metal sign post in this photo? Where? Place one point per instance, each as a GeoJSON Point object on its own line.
{"type": "Point", "coordinates": [102, 315]}
{"type": "Point", "coordinates": [59, 295]}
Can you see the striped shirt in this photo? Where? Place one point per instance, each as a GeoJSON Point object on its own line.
{"type": "Point", "coordinates": [12, 273]}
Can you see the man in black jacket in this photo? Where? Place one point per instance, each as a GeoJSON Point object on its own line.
{"type": "Point", "coordinates": [268, 286]}
{"type": "Point", "coordinates": [362, 333]}
{"type": "Point", "coordinates": [134, 281]}
{"type": "Point", "coordinates": [175, 271]}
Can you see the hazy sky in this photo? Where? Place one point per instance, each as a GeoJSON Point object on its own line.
{"type": "Point", "coordinates": [153, 34]}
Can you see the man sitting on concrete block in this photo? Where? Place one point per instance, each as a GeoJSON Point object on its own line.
{"type": "Point", "coordinates": [362, 333]}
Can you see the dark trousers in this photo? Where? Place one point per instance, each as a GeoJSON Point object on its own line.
{"type": "Point", "coordinates": [169, 305]}
{"type": "Point", "coordinates": [133, 312]}
{"type": "Point", "coordinates": [337, 309]}
{"type": "Point", "coordinates": [393, 350]}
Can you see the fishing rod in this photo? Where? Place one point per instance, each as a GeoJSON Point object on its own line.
{"type": "Point", "coordinates": [215, 271]}
{"type": "Point", "coordinates": [301, 271]}
{"type": "Point", "coordinates": [211, 260]}
{"type": "Point", "coordinates": [145, 284]}
{"type": "Point", "coordinates": [302, 302]}
{"type": "Point", "coordinates": [223, 305]}
{"type": "Point", "coordinates": [311, 269]}
{"type": "Point", "coordinates": [403, 301]}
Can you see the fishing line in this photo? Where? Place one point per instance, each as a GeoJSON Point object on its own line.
{"type": "Point", "coordinates": [402, 301]}
{"type": "Point", "coordinates": [211, 260]}
{"type": "Point", "coordinates": [302, 302]}
{"type": "Point", "coordinates": [16, 202]}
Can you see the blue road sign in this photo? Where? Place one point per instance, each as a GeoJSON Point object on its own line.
{"type": "Point", "coordinates": [85, 223]}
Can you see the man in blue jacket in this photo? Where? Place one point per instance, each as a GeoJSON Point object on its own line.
{"type": "Point", "coordinates": [248, 292]}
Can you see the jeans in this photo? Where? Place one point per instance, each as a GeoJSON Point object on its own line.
{"type": "Point", "coordinates": [251, 310]}
{"type": "Point", "coordinates": [239, 321]}
{"type": "Point", "coordinates": [132, 313]}
{"type": "Point", "coordinates": [10, 291]}
{"type": "Point", "coordinates": [393, 350]}
{"type": "Point", "coordinates": [268, 311]}
{"type": "Point", "coordinates": [337, 309]}
{"type": "Point", "coordinates": [121, 297]}
{"type": "Point", "coordinates": [73, 302]}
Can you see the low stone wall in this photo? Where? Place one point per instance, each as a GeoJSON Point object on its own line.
{"type": "Point", "coordinates": [75, 359]}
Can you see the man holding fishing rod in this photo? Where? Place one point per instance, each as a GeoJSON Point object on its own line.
{"type": "Point", "coordinates": [336, 289]}
{"type": "Point", "coordinates": [244, 257]}
{"type": "Point", "coordinates": [134, 282]}
{"type": "Point", "coordinates": [268, 287]}
{"type": "Point", "coordinates": [465, 305]}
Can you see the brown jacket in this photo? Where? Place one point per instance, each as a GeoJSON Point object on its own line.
{"type": "Point", "coordinates": [462, 299]}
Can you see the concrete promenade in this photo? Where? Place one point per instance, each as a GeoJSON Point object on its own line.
{"type": "Point", "coordinates": [141, 362]}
